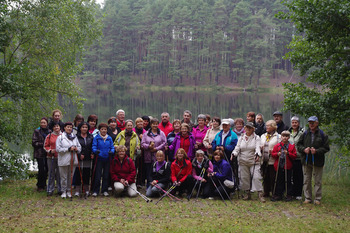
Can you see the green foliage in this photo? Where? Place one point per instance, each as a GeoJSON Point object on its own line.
{"type": "Point", "coordinates": [321, 52]}
{"type": "Point", "coordinates": [41, 46]}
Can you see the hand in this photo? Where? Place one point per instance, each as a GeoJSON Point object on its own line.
{"type": "Point", "coordinates": [313, 150]}
{"type": "Point", "coordinates": [154, 150]}
{"type": "Point", "coordinates": [138, 148]}
{"type": "Point", "coordinates": [279, 153]}
{"type": "Point", "coordinates": [97, 152]}
{"type": "Point", "coordinates": [166, 147]}
{"type": "Point", "coordinates": [82, 157]}
{"type": "Point", "coordinates": [52, 151]}
{"type": "Point", "coordinates": [75, 148]}
{"type": "Point", "coordinates": [178, 183]}
{"type": "Point", "coordinates": [257, 159]}
{"type": "Point", "coordinates": [231, 157]}
{"type": "Point", "coordinates": [307, 150]}
{"type": "Point", "coordinates": [203, 180]}
{"type": "Point", "coordinates": [154, 182]}
{"type": "Point", "coordinates": [126, 183]}
{"type": "Point", "coordinates": [141, 135]}
{"type": "Point", "coordinates": [92, 156]}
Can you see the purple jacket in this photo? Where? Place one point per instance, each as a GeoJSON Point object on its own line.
{"type": "Point", "coordinates": [176, 145]}
{"type": "Point", "coordinates": [159, 144]}
{"type": "Point", "coordinates": [199, 136]}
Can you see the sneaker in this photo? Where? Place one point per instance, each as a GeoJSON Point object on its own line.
{"type": "Point", "coordinates": [317, 202]}
{"type": "Point", "coordinates": [211, 198]}
{"type": "Point", "coordinates": [77, 194]}
{"type": "Point", "coordinates": [105, 194]}
{"type": "Point", "coordinates": [94, 194]}
{"type": "Point", "coordinates": [110, 189]}
{"type": "Point", "coordinates": [298, 198]}
{"type": "Point", "coordinates": [307, 201]}
{"type": "Point", "coordinates": [246, 196]}
{"type": "Point", "coordinates": [63, 195]}
{"type": "Point", "coordinates": [69, 195]}
{"type": "Point", "coordinates": [87, 193]}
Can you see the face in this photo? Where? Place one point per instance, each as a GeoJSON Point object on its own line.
{"type": "Point", "coordinates": [180, 155]}
{"type": "Point", "coordinates": [269, 128]}
{"type": "Point", "coordinates": [200, 158]}
{"type": "Point", "coordinates": [295, 124]}
{"type": "Point", "coordinates": [184, 131]}
{"type": "Point", "coordinates": [43, 124]}
{"type": "Point", "coordinates": [217, 157]}
{"type": "Point", "coordinates": [250, 119]}
{"type": "Point", "coordinates": [113, 125]}
{"type": "Point", "coordinates": [259, 119]}
{"type": "Point", "coordinates": [313, 125]}
{"type": "Point", "coordinates": [145, 123]}
{"type": "Point", "coordinates": [56, 116]}
{"type": "Point", "coordinates": [121, 116]}
{"type": "Point", "coordinates": [56, 128]}
{"type": "Point", "coordinates": [154, 126]}
{"type": "Point", "coordinates": [239, 126]}
{"type": "Point", "coordinates": [165, 118]}
{"type": "Point", "coordinates": [277, 118]}
{"type": "Point", "coordinates": [121, 154]}
{"type": "Point", "coordinates": [68, 129]}
{"type": "Point", "coordinates": [128, 126]}
{"type": "Point", "coordinates": [160, 157]}
{"type": "Point", "coordinates": [84, 129]}
{"type": "Point", "coordinates": [187, 117]}
{"type": "Point", "coordinates": [201, 122]}
{"type": "Point", "coordinates": [249, 130]}
{"type": "Point", "coordinates": [226, 127]}
{"type": "Point", "coordinates": [285, 139]}
{"type": "Point", "coordinates": [215, 124]}
{"type": "Point", "coordinates": [92, 124]}
{"type": "Point", "coordinates": [139, 124]}
{"type": "Point", "coordinates": [207, 121]}
{"type": "Point", "coordinates": [177, 126]}
{"type": "Point", "coordinates": [103, 131]}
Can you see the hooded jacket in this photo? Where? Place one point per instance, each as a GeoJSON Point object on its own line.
{"type": "Point", "coordinates": [290, 156]}
{"type": "Point", "coordinates": [62, 147]}
{"type": "Point", "coordinates": [134, 142]}
{"type": "Point", "coordinates": [103, 146]}
{"type": "Point", "coordinates": [123, 170]}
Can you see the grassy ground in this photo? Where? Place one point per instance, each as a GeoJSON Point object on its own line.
{"type": "Point", "coordinates": [22, 209]}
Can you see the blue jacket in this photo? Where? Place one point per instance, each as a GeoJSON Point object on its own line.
{"type": "Point", "coordinates": [103, 146]}
{"type": "Point", "coordinates": [230, 142]}
{"type": "Point", "coordinates": [223, 170]}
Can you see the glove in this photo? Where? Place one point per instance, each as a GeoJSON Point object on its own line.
{"type": "Point", "coordinates": [97, 152]}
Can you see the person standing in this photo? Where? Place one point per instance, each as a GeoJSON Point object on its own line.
{"type": "Point", "coordinates": [38, 140]}
{"type": "Point", "coordinates": [297, 172]}
{"type": "Point", "coordinates": [120, 119]}
{"type": "Point", "coordinates": [210, 135]}
{"type": "Point", "coordinates": [171, 137]}
{"type": "Point", "coordinates": [165, 125]}
{"type": "Point", "coordinates": [184, 140]}
{"type": "Point", "coordinates": [93, 120]}
{"type": "Point", "coordinates": [128, 138]}
{"type": "Point", "coordinates": [313, 145]}
{"type": "Point", "coordinates": [199, 132]}
{"type": "Point", "coordinates": [113, 130]}
{"type": "Point", "coordinates": [67, 145]}
{"type": "Point", "coordinates": [278, 118]}
{"type": "Point", "coordinates": [187, 119]}
{"type": "Point", "coordinates": [260, 125]}
{"type": "Point", "coordinates": [56, 118]}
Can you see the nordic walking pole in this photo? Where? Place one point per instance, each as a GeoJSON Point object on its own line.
{"type": "Point", "coordinates": [140, 194]}
{"type": "Point", "coordinates": [218, 190]}
{"type": "Point", "coordinates": [278, 167]}
{"type": "Point", "coordinates": [171, 196]}
{"type": "Point", "coordinates": [93, 173]}
{"type": "Point", "coordinates": [200, 184]}
{"type": "Point", "coordinates": [71, 175]}
{"type": "Point", "coordinates": [195, 185]}
{"type": "Point", "coordinates": [165, 194]}
{"type": "Point", "coordinates": [223, 187]}
{"type": "Point", "coordinates": [50, 175]}
{"type": "Point", "coordinates": [285, 174]}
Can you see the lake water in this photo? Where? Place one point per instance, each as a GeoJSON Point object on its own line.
{"type": "Point", "coordinates": [135, 103]}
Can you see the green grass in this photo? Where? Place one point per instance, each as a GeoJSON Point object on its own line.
{"type": "Point", "coordinates": [22, 209]}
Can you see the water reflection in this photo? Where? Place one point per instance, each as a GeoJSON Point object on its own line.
{"type": "Point", "coordinates": [137, 103]}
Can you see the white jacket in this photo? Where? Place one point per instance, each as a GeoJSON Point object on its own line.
{"type": "Point", "coordinates": [62, 146]}
{"type": "Point", "coordinates": [267, 146]}
{"type": "Point", "coordinates": [210, 135]}
{"type": "Point", "coordinates": [246, 149]}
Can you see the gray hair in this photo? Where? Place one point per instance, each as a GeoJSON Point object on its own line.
{"type": "Point", "coordinates": [188, 111]}
{"type": "Point", "coordinates": [259, 114]}
{"type": "Point", "coordinates": [295, 118]}
{"type": "Point", "coordinates": [127, 121]}
{"type": "Point", "coordinates": [202, 116]}
{"type": "Point", "coordinates": [165, 113]}
{"type": "Point", "coordinates": [120, 110]}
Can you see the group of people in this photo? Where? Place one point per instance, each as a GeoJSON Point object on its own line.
{"type": "Point", "coordinates": [214, 157]}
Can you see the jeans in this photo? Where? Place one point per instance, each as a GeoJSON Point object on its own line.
{"type": "Point", "coordinates": [153, 191]}
{"type": "Point", "coordinates": [102, 170]}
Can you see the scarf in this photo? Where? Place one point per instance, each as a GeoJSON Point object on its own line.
{"type": "Point", "coordinates": [70, 136]}
{"type": "Point", "coordinates": [269, 136]}
{"type": "Point", "coordinates": [159, 165]}
{"type": "Point", "coordinates": [44, 132]}
{"type": "Point", "coordinates": [138, 131]}
{"type": "Point", "coordinates": [104, 137]}
{"type": "Point", "coordinates": [239, 132]}
{"type": "Point", "coordinates": [283, 155]}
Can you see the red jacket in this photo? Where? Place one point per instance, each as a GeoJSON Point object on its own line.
{"type": "Point", "coordinates": [176, 167]}
{"type": "Point", "coordinates": [125, 170]}
{"type": "Point", "coordinates": [50, 144]}
{"type": "Point", "coordinates": [167, 129]}
{"type": "Point", "coordinates": [291, 155]}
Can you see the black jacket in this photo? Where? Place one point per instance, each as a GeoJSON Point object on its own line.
{"type": "Point", "coordinates": [86, 146]}
{"type": "Point", "coordinates": [163, 174]}
{"type": "Point", "coordinates": [281, 127]}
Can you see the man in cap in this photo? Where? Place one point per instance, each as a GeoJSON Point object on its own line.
{"type": "Point", "coordinates": [278, 117]}
{"type": "Point", "coordinates": [313, 145]}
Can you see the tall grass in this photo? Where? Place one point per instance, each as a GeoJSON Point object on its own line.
{"type": "Point", "coordinates": [335, 172]}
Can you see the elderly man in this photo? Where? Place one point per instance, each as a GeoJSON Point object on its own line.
{"type": "Point", "coordinates": [165, 124]}
{"type": "Point", "coordinates": [120, 119]}
{"type": "Point", "coordinates": [313, 145]}
{"type": "Point", "coordinates": [260, 125]}
{"type": "Point", "coordinates": [278, 117]}
{"type": "Point", "coordinates": [187, 119]}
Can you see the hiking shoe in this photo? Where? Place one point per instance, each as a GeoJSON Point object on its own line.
{"type": "Point", "coordinates": [261, 197]}
{"type": "Point", "coordinates": [63, 195]}
{"type": "Point", "coordinates": [110, 189]}
{"type": "Point", "coordinates": [276, 198]}
{"type": "Point", "coordinates": [298, 198]}
{"type": "Point", "coordinates": [69, 195]}
{"type": "Point", "coordinates": [317, 202]}
{"type": "Point", "coordinates": [49, 194]}
{"type": "Point", "coordinates": [288, 198]}
{"type": "Point", "coordinates": [307, 201]}
{"type": "Point", "coordinates": [105, 194]}
{"type": "Point", "coordinates": [87, 193]}
{"type": "Point", "coordinates": [247, 196]}
{"type": "Point", "coordinates": [94, 194]}
{"type": "Point", "coordinates": [77, 194]}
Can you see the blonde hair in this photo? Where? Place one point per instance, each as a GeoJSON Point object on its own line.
{"type": "Point", "coordinates": [272, 123]}
{"type": "Point", "coordinates": [138, 120]}
{"type": "Point", "coordinates": [182, 151]}
{"type": "Point", "coordinates": [120, 148]}
{"type": "Point", "coordinates": [160, 152]}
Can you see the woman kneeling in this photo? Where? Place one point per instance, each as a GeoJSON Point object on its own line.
{"type": "Point", "coordinates": [123, 172]}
